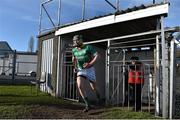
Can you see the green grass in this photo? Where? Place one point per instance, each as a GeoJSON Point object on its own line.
{"type": "Point", "coordinates": [19, 102]}
{"type": "Point", "coordinates": [118, 113]}
{"type": "Point", "coordinates": [22, 95]}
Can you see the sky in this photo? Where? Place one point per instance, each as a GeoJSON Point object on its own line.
{"type": "Point", "coordinates": [19, 19]}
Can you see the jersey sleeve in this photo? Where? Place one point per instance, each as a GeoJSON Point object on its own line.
{"type": "Point", "coordinates": [92, 50]}
{"type": "Point", "coordinates": [73, 50]}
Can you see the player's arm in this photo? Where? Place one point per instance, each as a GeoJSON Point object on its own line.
{"type": "Point", "coordinates": [74, 61]}
{"type": "Point", "coordinates": [91, 63]}
{"type": "Point", "coordinates": [94, 59]}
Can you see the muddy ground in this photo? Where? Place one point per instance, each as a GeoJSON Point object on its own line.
{"type": "Point", "coordinates": [71, 111]}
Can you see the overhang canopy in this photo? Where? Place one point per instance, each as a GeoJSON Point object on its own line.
{"type": "Point", "coordinates": [117, 24]}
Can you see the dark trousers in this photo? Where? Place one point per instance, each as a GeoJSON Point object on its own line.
{"type": "Point", "coordinates": [136, 96]}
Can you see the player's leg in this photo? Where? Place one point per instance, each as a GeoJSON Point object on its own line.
{"type": "Point", "coordinates": [81, 88]}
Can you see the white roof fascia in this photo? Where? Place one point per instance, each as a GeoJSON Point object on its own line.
{"type": "Point", "coordinates": [112, 19]}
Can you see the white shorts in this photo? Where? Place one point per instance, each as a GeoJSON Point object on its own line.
{"type": "Point", "coordinates": [89, 73]}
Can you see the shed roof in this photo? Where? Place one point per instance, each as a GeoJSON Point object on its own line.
{"type": "Point", "coordinates": [4, 48]}
{"type": "Point", "coordinates": [134, 20]}
{"type": "Point", "coordinates": [135, 8]}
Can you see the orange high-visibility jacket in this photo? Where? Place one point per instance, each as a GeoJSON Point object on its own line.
{"type": "Point", "coordinates": [136, 76]}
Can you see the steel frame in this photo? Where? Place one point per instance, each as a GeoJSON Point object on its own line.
{"type": "Point", "coordinates": [42, 7]}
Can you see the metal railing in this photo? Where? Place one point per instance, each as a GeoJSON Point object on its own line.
{"type": "Point", "coordinates": [116, 6]}
{"type": "Point", "coordinates": [122, 94]}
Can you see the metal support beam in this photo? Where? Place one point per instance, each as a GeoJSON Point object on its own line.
{"type": "Point", "coordinates": [132, 46]}
{"type": "Point", "coordinates": [61, 50]}
{"type": "Point", "coordinates": [134, 35]}
{"type": "Point", "coordinates": [40, 19]}
{"type": "Point", "coordinates": [59, 13]}
{"type": "Point", "coordinates": [124, 71]}
{"type": "Point", "coordinates": [158, 78]}
{"type": "Point", "coordinates": [154, 1]}
{"type": "Point", "coordinates": [83, 9]}
{"type": "Point", "coordinates": [58, 70]}
{"type": "Point", "coordinates": [48, 15]}
{"type": "Point", "coordinates": [117, 5]}
{"type": "Point", "coordinates": [111, 4]}
{"type": "Point", "coordinates": [172, 79]}
{"type": "Point", "coordinates": [45, 2]}
{"type": "Point", "coordinates": [164, 72]}
{"type": "Point", "coordinates": [107, 71]}
{"type": "Point", "coordinates": [157, 108]}
{"type": "Point", "coordinates": [14, 67]}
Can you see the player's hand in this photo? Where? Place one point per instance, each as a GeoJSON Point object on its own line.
{"type": "Point", "coordinates": [75, 70]}
{"type": "Point", "coordinates": [87, 65]}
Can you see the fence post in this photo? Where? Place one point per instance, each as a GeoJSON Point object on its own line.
{"type": "Point", "coordinates": [14, 67]}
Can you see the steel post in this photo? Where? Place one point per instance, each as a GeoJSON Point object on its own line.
{"type": "Point", "coordinates": [58, 83]}
{"type": "Point", "coordinates": [117, 5]}
{"type": "Point", "coordinates": [164, 72]}
{"type": "Point", "coordinates": [157, 108]}
{"type": "Point", "coordinates": [40, 19]}
{"type": "Point", "coordinates": [172, 79]}
{"type": "Point", "coordinates": [83, 9]}
{"type": "Point", "coordinates": [59, 13]}
{"type": "Point", "coordinates": [14, 67]}
{"type": "Point", "coordinates": [107, 71]}
{"type": "Point", "coordinates": [124, 58]}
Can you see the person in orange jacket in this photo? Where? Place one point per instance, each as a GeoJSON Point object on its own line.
{"type": "Point", "coordinates": [136, 81]}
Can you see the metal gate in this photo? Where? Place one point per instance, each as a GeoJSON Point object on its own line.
{"type": "Point", "coordinates": [120, 92]}
{"type": "Point", "coordinates": [17, 69]}
{"type": "Point", "coordinates": [69, 78]}
{"type": "Point", "coordinates": [8, 67]}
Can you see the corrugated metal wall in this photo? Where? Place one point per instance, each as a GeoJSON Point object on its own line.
{"type": "Point", "coordinates": [47, 63]}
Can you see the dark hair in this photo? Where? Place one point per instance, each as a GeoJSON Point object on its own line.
{"type": "Point", "coordinates": [134, 58]}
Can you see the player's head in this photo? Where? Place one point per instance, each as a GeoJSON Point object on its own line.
{"type": "Point", "coordinates": [77, 40]}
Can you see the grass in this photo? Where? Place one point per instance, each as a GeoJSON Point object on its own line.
{"type": "Point", "coordinates": [118, 113]}
{"type": "Point", "coordinates": [19, 102]}
{"type": "Point", "coordinates": [22, 95]}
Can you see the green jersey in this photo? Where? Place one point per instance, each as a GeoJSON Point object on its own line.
{"type": "Point", "coordinates": [84, 55]}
